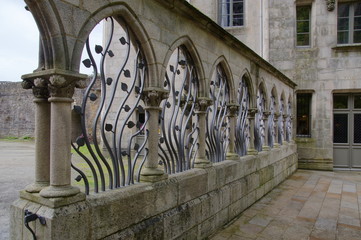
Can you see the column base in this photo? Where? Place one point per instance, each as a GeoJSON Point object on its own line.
{"type": "Point", "coordinates": [252, 151]}
{"type": "Point", "coordinates": [152, 175]}
{"type": "Point", "coordinates": [232, 156]}
{"type": "Point", "coordinates": [52, 202]}
{"type": "Point", "coordinates": [276, 145]}
{"type": "Point", "coordinates": [36, 187]}
{"type": "Point", "coordinates": [202, 163]}
{"type": "Point", "coordinates": [59, 191]}
{"type": "Point", "coordinates": [266, 148]}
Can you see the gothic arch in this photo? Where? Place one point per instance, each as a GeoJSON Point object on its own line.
{"type": "Point", "coordinates": [248, 79]}
{"type": "Point", "coordinates": [222, 62]}
{"type": "Point", "coordinates": [124, 16]}
{"type": "Point", "coordinates": [186, 44]}
{"type": "Point", "coordinates": [262, 87]}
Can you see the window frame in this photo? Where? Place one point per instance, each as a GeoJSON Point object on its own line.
{"type": "Point", "coordinates": [351, 23]}
{"type": "Point", "coordinates": [231, 14]}
{"type": "Point", "coordinates": [309, 6]}
{"type": "Point", "coordinates": [308, 120]}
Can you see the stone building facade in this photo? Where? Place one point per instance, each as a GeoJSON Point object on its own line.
{"type": "Point", "coordinates": [316, 44]}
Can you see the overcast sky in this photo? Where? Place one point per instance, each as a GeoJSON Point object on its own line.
{"type": "Point", "coordinates": [19, 41]}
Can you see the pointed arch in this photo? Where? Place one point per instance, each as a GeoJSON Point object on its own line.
{"type": "Point", "coordinates": [222, 62]}
{"type": "Point", "coordinates": [126, 17]}
{"type": "Point", "coordinates": [185, 43]}
{"type": "Point", "coordinates": [246, 76]}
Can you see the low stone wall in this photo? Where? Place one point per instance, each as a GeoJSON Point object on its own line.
{"type": "Point", "coordinates": [188, 205]}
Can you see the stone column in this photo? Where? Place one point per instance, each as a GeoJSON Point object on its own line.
{"type": "Point", "coordinates": [232, 118]}
{"type": "Point", "coordinates": [265, 146]}
{"type": "Point", "coordinates": [152, 98]}
{"type": "Point", "coordinates": [275, 143]}
{"type": "Point", "coordinates": [284, 140]}
{"type": "Point", "coordinates": [61, 92]}
{"type": "Point", "coordinates": [201, 160]}
{"type": "Point", "coordinates": [251, 118]}
{"type": "Point", "coordinates": [42, 134]}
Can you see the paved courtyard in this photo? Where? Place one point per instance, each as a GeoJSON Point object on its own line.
{"type": "Point", "coordinates": [309, 205]}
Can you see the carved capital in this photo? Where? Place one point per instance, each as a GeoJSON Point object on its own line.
{"type": "Point", "coordinates": [152, 97]}
{"type": "Point", "coordinates": [60, 87]}
{"type": "Point", "coordinates": [330, 5]}
{"type": "Point", "coordinates": [202, 104]}
{"type": "Point", "coordinates": [252, 112]}
{"type": "Point", "coordinates": [232, 109]}
{"type": "Point", "coordinates": [40, 88]}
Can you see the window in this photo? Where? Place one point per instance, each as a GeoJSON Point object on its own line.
{"type": "Point", "coordinates": [304, 114]}
{"type": "Point", "coordinates": [303, 23]}
{"type": "Point", "coordinates": [231, 13]}
{"type": "Point", "coordinates": [349, 23]}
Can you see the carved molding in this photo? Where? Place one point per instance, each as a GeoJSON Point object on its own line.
{"type": "Point", "coordinates": [202, 104]}
{"type": "Point", "coordinates": [60, 87]}
{"type": "Point", "coordinates": [330, 5]}
{"type": "Point", "coordinates": [153, 97]}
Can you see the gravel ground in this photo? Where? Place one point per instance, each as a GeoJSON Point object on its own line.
{"type": "Point", "coordinates": [16, 171]}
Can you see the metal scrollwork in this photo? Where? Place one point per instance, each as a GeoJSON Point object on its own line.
{"type": "Point", "coordinates": [217, 135]}
{"type": "Point", "coordinates": [113, 156]}
{"type": "Point", "coordinates": [271, 122]}
{"type": "Point", "coordinates": [178, 121]}
{"type": "Point", "coordinates": [259, 122]}
{"type": "Point", "coordinates": [242, 124]}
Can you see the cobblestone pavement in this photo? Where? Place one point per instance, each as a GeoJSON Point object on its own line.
{"type": "Point", "coordinates": [16, 171]}
{"type": "Point", "coordinates": [311, 205]}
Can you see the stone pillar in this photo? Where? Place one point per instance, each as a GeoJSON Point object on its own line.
{"type": "Point", "coordinates": [251, 118]}
{"type": "Point", "coordinates": [201, 160]}
{"type": "Point", "coordinates": [152, 98]}
{"type": "Point", "coordinates": [232, 118]}
{"type": "Point", "coordinates": [42, 135]}
{"type": "Point", "coordinates": [61, 92]}
{"type": "Point", "coordinates": [284, 141]}
{"type": "Point", "coordinates": [265, 146]}
{"type": "Point", "coordinates": [275, 143]}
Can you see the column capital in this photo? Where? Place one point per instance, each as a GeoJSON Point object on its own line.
{"type": "Point", "coordinates": [39, 87]}
{"type": "Point", "coordinates": [232, 109]}
{"type": "Point", "coordinates": [252, 112]}
{"type": "Point", "coordinates": [266, 114]}
{"type": "Point", "coordinates": [153, 96]}
{"type": "Point", "coordinates": [202, 104]}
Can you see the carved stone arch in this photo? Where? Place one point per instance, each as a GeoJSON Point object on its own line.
{"type": "Point", "coordinates": [262, 87]}
{"type": "Point", "coordinates": [49, 25]}
{"type": "Point", "coordinates": [185, 43]}
{"type": "Point", "coordinates": [246, 75]}
{"type": "Point", "coordinates": [274, 94]}
{"type": "Point", "coordinates": [222, 62]}
{"type": "Point", "coordinates": [123, 15]}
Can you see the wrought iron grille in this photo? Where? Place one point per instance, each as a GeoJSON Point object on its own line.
{"type": "Point", "coordinates": [178, 121]}
{"type": "Point", "coordinates": [217, 136]}
{"type": "Point", "coordinates": [242, 124]}
{"type": "Point", "coordinates": [111, 155]}
{"type": "Point", "coordinates": [259, 122]}
{"type": "Point", "coordinates": [271, 122]}
{"type": "Point", "coordinates": [280, 122]}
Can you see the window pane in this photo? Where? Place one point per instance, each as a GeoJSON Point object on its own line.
{"type": "Point", "coordinates": [357, 101]}
{"type": "Point", "coordinates": [357, 37]}
{"type": "Point", "coordinates": [342, 24]}
{"type": "Point", "coordinates": [340, 101]}
{"type": "Point", "coordinates": [357, 128]}
{"type": "Point", "coordinates": [357, 9]}
{"type": "Point", "coordinates": [304, 114]}
{"type": "Point", "coordinates": [340, 128]}
{"type": "Point", "coordinates": [343, 10]}
{"type": "Point", "coordinates": [303, 39]}
{"type": "Point", "coordinates": [303, 27]}
{"type": "Point", "coordinates": [237, 21]}
{"type": "Point", "coordinates": [303, 13]}
{"type": "Point", "coordinates": [342, 37]}
{"type": "Point", "coordinates": [238, 7]}
{"type": "Point", "coordinates": [357, 23]}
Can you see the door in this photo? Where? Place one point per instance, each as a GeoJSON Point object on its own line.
{"type": "Point", "coordinates": [347, 131]}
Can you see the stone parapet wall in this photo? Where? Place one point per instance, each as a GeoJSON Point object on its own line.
{"type": "Point", "coordinates": [188, 205]}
